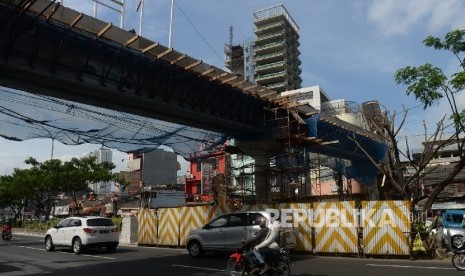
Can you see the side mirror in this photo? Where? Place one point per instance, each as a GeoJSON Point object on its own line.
{"type": "Point", "coordinates": [206, 226]}
{"type": "Point", "coordinates": [57, 227]}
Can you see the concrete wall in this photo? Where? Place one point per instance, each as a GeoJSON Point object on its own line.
{"type": "Point", "coordinates": [129, 230]}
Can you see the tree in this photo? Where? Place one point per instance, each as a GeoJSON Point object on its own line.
{"type": "Point", "coordinates": [429, 85]}
{"type": "Point", "coordinates": [43, 181]}
{"type": "Point", "coordinates": [80, 172]}
{"type": "Point", "coordinates": [10, 197]}
{"type": "Point", "coordinates": [392, 167]}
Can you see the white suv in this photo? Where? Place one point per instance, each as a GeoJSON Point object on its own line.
{"type": "Point", "coordinates": [83, 232]}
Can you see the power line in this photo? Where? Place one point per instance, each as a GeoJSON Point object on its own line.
{"type": "Point", "coordinates": [198, 32]}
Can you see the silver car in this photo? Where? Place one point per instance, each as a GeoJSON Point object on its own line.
{"type": "Point", "coordinates": [224, 233]}
{"type": "Point", "coordinates": [453, 233]}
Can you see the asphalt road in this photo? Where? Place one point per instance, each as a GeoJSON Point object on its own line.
{"type": "Point", "coordinates": [25, 255]}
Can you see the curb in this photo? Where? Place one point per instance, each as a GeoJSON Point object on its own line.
{"type": "Point", "coordinates": [26, 232]}
{"type": "Point", "coordinates": [41, 233]}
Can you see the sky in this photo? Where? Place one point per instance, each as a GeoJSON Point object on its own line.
{"type": "Point", "coordinates": [350, 48]}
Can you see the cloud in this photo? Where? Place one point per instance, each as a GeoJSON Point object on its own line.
{"type": "Point", "coordinates": [399, 17]}
{"type": "Point", "coordinates": [447, 14]}
{"type": "Point", "coordinates": [358, 10]}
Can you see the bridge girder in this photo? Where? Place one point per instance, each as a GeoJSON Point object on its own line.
{"type": "Point", "coordinates": [50, 50]}
{"type": "Point", "coordinates": [44, 58]}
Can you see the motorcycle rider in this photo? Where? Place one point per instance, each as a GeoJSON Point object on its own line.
{"type": "Point", "coordinates": [6, 229]}
{"type": "Point", "coordinates": [259, 237]}
{"type": "Point", "coordinates": [268, 245]}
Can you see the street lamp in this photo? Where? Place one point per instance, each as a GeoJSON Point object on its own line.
{"type": "Point", "coordinates": [51, 135]}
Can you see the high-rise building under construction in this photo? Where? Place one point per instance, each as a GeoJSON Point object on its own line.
{"type": "Point", "coordinates": [276, 54]}
{"type": "Point", "coordinates": [234, 56]}
{"type": "Point", "coordinates": [272, 58]}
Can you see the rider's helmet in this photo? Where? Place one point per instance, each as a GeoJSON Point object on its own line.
{"type": "Point", "coordinates": [261, 222]}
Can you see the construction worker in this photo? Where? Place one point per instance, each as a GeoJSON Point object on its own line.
{"type": "Point", "coordinates": [435, 229]}
{"type": "Point", "coordinates": [437, 220]}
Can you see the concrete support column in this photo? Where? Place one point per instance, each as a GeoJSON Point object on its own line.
{"type": "Point", "coordinates": [262, 182]}
{"type": "Point", "coordinates": [260, 151]}
{"type": "Point", "coordinates": [373, 192]}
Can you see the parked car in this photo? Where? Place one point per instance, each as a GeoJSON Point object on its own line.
{"type": "Point", "coordinates": [452, 232]}
{"type": "Point", "coordinates": [224, 233]}
{"type": "Point", "coordinates": [80, 233]}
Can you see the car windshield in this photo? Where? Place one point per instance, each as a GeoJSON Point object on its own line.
{"type": "Point", "coordinates": [457, 218]}
{"type": "Point", "coordinates": [64, 223]}
{"type": "Point", "coordinates": [100, 222]}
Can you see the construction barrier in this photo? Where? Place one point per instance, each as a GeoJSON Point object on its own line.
{"type": "Point", "coordinates": [193, 218]}
{"type": "Point", "coordinates": [335, 227]}
{"type": "Point", "coordinates": [301, 220]}
{"type": "Point", "coordinates": [385, 224]}
{"type": "Point", "coordinates": [253, 208]}
{"type": "Point", "coordinates": [147, 221]}
{"type": "Point", "coordinates": [219, 210]}
{"type": "Point", "coordinates": [168, 226]}
{"type": "Point", "coordinates": [326, 227]}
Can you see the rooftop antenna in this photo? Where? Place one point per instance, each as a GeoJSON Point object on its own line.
{"type": "Point", "coordinates": [230, 36]}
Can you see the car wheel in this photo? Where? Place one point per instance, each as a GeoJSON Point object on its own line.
{"type": "Point", "coordinates": [49, 244]}
{"type": "Point", "coordinates": [77, 245]}
{"type": "Point", "coordinates": [194, 248]}
{"type": "Point", "coordinates": [110, 249]}
{"type": "Point", "coordinates": [457, 241]}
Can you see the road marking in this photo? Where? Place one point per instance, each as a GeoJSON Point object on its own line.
{"type": "Point", "coordinates": [33, 248]}
{"type": "Point", "coordinates": [100, 257]}
{"type": "Point", "coordinates": [69, 253]}
{"type": "Point", "coordinates": [199, 267]}
{"type": "Point", "coordinates": [412, 266]}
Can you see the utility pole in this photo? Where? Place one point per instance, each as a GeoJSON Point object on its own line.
{"type": "Point", "coordinates": [140, 7]}
{"type": "Point", "coordinates": [171, 25]}
{"type": "Point", "coordinates": [120, 3]}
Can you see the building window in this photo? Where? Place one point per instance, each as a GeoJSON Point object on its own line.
{"type": "Point", "coordinates": [199, 166]}
{"type": "Point", "coordinates": [214, 162]}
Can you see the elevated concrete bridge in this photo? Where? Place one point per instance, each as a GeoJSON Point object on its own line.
{"type": "Point", "coordinates": [51, 50]}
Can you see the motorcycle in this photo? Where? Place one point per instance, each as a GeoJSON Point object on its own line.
{"type": "Point", "coordinates": [458, 259]}
{"type": "Point", "coordinates": [240, 263]}
{"type": "Point", "coordinates": [6, 235]}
